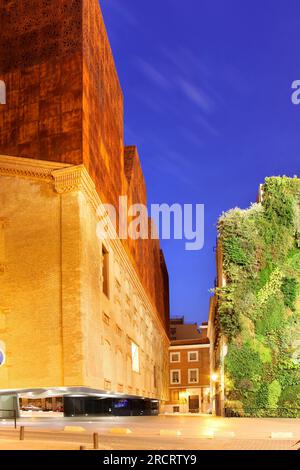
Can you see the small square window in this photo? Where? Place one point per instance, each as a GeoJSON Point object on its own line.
{"type": "Point", "coordinates": [175, 357]}
{"type": "Point", "coordinates": [175, 377]}
{"type": "Point", "coordinates": [193, 376]}
{"type": "Point", "coordinates": [105, 271]}
{"type": "Point", "coordinates": [193, 356]}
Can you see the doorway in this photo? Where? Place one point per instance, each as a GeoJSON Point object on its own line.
{"type": "Point", "coordinates": [194, 404]}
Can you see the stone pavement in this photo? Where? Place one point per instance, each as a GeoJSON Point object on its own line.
{"type": "Point", "coordinates": [129, 443]}
{"type": "Point", "coordinates": [196, 433]}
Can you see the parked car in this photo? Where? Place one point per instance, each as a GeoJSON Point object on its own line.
{"type": "Point", "coordinates": [31, 408]}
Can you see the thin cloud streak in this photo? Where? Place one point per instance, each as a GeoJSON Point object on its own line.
{"type": "Point", "coordinates": [123, 11]}
{"type": "Point", "coordinates": [152, 74]}
{"type": "Point", "coordinates": [207, 126]}
{"type": "Point", "coordinates": [196, 95]}
{"type": "Point", "coordinates": [185, 60]}
{"type": "Point", "coordinates": [192, 137]}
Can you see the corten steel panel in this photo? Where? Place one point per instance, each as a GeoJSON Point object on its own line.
{"type": "Point", "coordinates": [41, 64]}
{"type": "Point", "coordinates": [65, 104]}
{"type": "Point", "coordinates": [103, 142]}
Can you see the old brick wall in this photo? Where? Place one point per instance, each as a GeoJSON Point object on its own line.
{"type": "Point", "coordinates": [30, 286]}
{"type": "Point", "coordinates": [65, 104]}
{"type": "Point", "coordinates": [146, 254]}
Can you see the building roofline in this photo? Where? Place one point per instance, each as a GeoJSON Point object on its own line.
{"type": "Point", "coordinates": [182, 342]}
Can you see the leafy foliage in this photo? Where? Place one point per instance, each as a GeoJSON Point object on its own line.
{"type": "Point", "coordinates": [289, 289]}
{"type": "Point", "coordinates": [259, 308]}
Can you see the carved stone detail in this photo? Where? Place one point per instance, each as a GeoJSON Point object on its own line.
{"type": "Point", "coordinates": [3, 222]}
{"type": "Point", "coordinates": [25, 168]}
{"type": "Point", "coordinates": [3, 268]}
{"type": "Point", "coordinates": [68, 180]}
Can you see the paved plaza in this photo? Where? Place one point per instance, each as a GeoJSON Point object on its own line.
{"type": "Point", "coordinates": [179, 433]}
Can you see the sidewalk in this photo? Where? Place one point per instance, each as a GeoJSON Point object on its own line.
{"type": "Point", "coordinates": [125, 443]}
{"type": "Point", "coordinates": [9, 444]}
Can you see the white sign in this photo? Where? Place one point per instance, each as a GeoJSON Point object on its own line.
{"type": "Point", "coordinates": [2, 358]}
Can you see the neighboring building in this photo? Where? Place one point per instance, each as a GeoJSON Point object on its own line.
{"type": "Point", "coordinates": [218, 346]}
{"type": "Point", "coordinates": [80, 318]}
{"type": "Point", "coordinates": [179, 330]}
{"type": "Point", "coordinates": [189, 368]}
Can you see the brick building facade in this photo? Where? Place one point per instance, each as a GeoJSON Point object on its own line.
{"type": "Point", "coordinates": [189, 368]}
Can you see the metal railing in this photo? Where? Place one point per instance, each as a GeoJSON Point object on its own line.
{"type": "Point", "coordinates": [9, 414]}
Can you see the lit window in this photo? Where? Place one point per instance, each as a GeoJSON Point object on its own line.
{"type": "Point", "coordinates": [135, 357]}
{"type": "Point", "coordinates": [175, 376]}
{"type": "Point", "coordinates": [193, 356]}
{"type": "Point", "coordinates": [193, 376]}
{"type": "Point", "coordinates": [175, 357]}
{"type": "Point", "coordinates": [105, 271]}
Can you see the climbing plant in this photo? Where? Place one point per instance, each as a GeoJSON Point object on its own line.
{"type": "Point", "coordinates": [259, 308]}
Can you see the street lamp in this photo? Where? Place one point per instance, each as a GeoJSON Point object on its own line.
{"type": "Point", "coordinates": [214, 377]}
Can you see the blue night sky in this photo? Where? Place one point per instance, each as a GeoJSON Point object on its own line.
{"type": "Point", "coordinates": [207, 88]}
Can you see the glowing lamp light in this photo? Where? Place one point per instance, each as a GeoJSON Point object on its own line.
{"type": "Point", "coordinates": [183, 395]}
{"type": "Point", "coordinates": [214, 377]}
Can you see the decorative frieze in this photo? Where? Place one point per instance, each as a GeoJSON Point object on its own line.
{"type": "Point", "coordinates": [68, 180]}
{"type": "Point", "coordinates": [28, 168]}
{"type": "Point", "coordinates": [3, 225]}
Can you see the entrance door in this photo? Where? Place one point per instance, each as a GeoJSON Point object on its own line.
{"type": "Point", "coordinates": [194, 403]}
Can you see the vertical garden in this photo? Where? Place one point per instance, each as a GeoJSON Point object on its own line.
{"type": "Point", "coordinates": [259, 308]}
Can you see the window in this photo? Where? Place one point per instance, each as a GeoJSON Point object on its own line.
{"type": "Point", "coordinates": [2, 92]}
{"type": "Point", "coordinates": [176, 409]}
{"type": "Point", "coordinates": [118, 330]}
{"type": "Point", "coordinates": [175, 357]}
{"type": "Point", "coordinates": [135, 357]}
{"type": "Point", "coordinates": [105, 271]}
{"type": "Point", "coordinates": [155, 376]}
{"type": "Point", "coordinates": [173, 332]}
{"type": "Point", "coordinates": [175, 376]}
{"type": "Point", "coordinates": [193, 356]}
{"type": "Point", "coordinates": [193, 376]}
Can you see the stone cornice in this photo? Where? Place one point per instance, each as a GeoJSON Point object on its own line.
{"type": "Point", "coordinates": [28, 168]}
{"type": "Point", "coordinates": [68, 180]}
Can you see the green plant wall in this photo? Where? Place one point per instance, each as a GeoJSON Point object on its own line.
{"type": "Point", "coordinates": [259, 309]}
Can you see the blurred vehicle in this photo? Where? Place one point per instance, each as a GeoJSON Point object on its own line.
{"type": "Point", "coordinates": [31, 408]}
